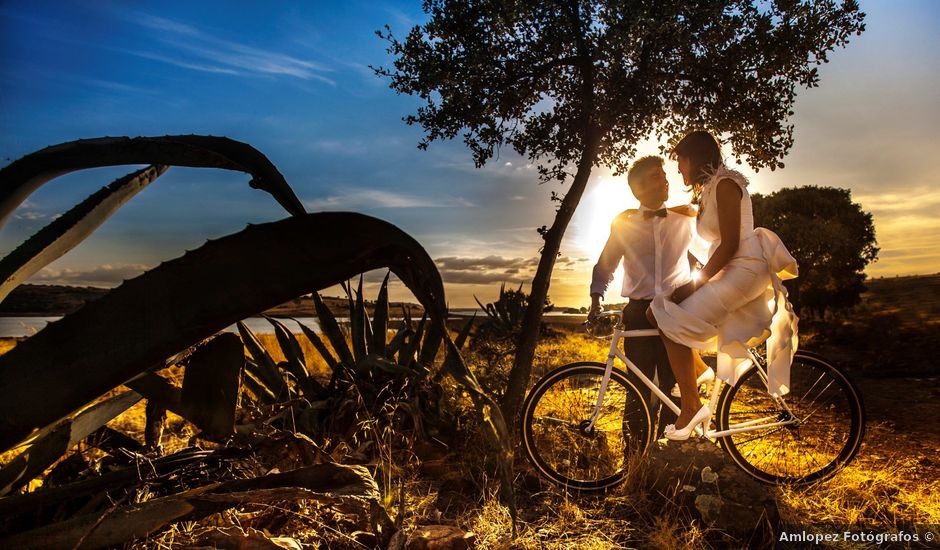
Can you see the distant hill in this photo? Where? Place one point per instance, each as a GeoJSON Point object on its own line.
{"type": "Point", "coordinates": [916, 299]}
{"type": "Point", "coordinates": [894, 331]}
{"type": "Point", "coordinates": [47, 300]}
{"type": "Point", "coordinates": [51, 300]}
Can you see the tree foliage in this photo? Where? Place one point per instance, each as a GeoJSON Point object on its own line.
{"type": "Point", "coordinates": [536, 75]}
{"type": "Point", "coordinates": [831, 237]}
{"type": "Point", "coordinates": [570, 84]}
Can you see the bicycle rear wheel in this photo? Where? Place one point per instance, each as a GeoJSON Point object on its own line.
{"type": "Point", "coordinates": [829, 431]}
{"type": "Point", "coordinates": [555, 434]}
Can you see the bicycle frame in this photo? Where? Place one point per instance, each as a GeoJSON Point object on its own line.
{"type": "Point", "coordinates": [751, 425]}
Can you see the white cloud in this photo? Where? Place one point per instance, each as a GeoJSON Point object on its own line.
{"type": "Point", "coordinates": [106, 275]}
{"type": "Point", "coordinates": [352, 147]}
{"type": "Point", "coordinates": [377, 198]}
{"type": "Point", "coordinates": [184, 64]}
{"type": "Point", "coordinates": [32, 215]}
{"type": "Point", "coordinates": [485, 270]}
{"type": "Point", "coordinates": [223, 56]}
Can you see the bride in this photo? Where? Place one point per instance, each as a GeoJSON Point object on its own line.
{"type": "Point", "coordinates": [737, 301]}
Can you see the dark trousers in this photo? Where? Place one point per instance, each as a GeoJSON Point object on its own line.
{"type": "Point", "coordinates": [649, 355]}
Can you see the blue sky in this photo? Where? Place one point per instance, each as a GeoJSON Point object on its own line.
{"type": "Point", "coordinates": [293, 80]}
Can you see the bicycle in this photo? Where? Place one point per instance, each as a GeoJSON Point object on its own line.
{"type": "Point", "coordinates": [583, 422]}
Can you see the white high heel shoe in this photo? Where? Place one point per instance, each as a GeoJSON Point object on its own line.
{"type": "Point", "coordinates": [703, 416]}
{"type": "Point", "coordinates": [703, 378]}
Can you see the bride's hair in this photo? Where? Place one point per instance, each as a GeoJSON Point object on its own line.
{"type": "Point", "coordinates": [704, 154]}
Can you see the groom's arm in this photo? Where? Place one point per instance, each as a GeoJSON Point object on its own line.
{"type": "Point", "coordinates": [604, 269]}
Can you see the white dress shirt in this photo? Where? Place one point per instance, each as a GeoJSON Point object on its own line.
{"type": "Point", "coordinates": [654, 252]}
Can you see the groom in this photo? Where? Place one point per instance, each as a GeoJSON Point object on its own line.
{"type": "Point", "coordinates": [653, 243]}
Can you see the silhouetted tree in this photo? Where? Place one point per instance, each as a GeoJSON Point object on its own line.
{"type": "Point", "coordinates": [831, 237]}
{"type": "Point", "coordinates": [570, 84]}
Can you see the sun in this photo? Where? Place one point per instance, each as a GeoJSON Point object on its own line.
{"type": "Point", "coordinates": [602, 201]}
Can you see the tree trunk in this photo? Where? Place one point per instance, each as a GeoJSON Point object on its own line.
{"type": "Point", "coordinates": [529, 337]}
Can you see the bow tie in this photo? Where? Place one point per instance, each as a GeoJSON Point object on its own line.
{"type": "Point", "coordinates": [661, 213]}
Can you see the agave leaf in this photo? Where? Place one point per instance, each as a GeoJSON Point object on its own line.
{"type": "Point", "coordinates": [267, 368]}
{"type": "Point", "coordinates": [211, 379]}
{"type": "Point", "coordinates": [394, 346]}
{"type": "Point", "coordinates": [46, 449]}
{"type": "Point", "coordinates": [458, 344]}
{"type": "Point", "coordinates": [380, 319]}
{"type": "Point", "coordinates": [411, 347]}
{"type": "Point", "coordinates": [367, 325]}
{"type": "Point", "coordinates": [318, 345]}
{"type": "Point", "coordinates": [71, 228]}
{"type": "Point", "coordinates": [252, 382]}
{"type": "Point", "coordinates": [330, 327]}
{"type": "Point", "coordinates": [372, 361]}
{"type": "Point", "coordinates": [325, 482]}
{"type": "Point", "coordinates": [290, 347]}
{"type": "Point", "coordinates": [23, 176]}
{"type": "Point", "coordinates": [501, 306]}
{"type": "Point", "coordinates": [356, 323]}
{"type": "Point", "coordinates": [464, 333]}
{"type": "Point", "coordinates": [432, 343]}
{"type": "Point", "coordinates": [295, 362]}
{"type": "Point", "coordinates": [483, 307]}
{"type": "Point", "coordinates": [517, 311]}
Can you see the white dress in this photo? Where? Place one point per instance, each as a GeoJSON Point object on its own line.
{"type": "Point", "coordinates": [744, 304]}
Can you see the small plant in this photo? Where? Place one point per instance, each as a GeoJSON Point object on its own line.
{"type": "Point", "coordinates": [504, 316]}
{"type": "Point", "coordinates": [495, 339]}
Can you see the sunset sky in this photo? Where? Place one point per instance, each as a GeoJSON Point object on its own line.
{"type": "Point", "coordinates": [292, 79]}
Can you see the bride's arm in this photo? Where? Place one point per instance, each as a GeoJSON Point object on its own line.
{"type": "Point", "coordinates": [729, 228]}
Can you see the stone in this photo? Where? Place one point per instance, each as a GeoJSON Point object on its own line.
{"type": "Point", "coordinates": [236, 538]}
{"type": "Point", "coordinates": [397, 542]}
{"type": "Point", "coordinates": [700, 478]}
{"type": "Point", "coordinates": [440, 537]}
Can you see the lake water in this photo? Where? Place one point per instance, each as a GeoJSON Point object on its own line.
{"type": "Point", "coordinates": [18, 327]}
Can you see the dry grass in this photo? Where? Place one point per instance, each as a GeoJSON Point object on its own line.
{"type": "Point", "coordinates": [315, 363]}
{"type": "Point", "coordinates": [887, 486]}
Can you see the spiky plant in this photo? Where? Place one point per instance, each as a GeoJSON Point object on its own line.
{"type": "Point", "coordinates": [369, 371]}
{"type": "Point", "coordinates": [380, 397]}
{"type": "Point", "coordinates": [504, 316]}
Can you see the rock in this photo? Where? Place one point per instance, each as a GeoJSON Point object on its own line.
{"type": "Point", "coordinates": [440, 537]}
{"type": "Point", "coordinates": [236, 538]}
{"type": "Point", "coordinates": [699, 477]}
{"type": "Point", "coordinates": [397, 542]}
{"type": "Point", "coordinates": [365, 538]}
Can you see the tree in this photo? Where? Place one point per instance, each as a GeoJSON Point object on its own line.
{"type": "Point", "coordinates": [571, 84]}
{"type": "Point", "coordinates": [830, 236]}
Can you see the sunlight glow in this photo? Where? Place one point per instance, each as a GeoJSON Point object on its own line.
{"type": "Point", "coordinates": [602, 202]}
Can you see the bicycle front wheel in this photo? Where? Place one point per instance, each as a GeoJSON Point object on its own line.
{"type": "Point", "coordinates": [830, 423]}
{"type": "Point", "coordinates": [561, 443]}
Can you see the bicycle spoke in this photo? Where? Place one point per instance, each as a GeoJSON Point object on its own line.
{"type": "Point", "coordinates": [815, 445]}
{"type": "Point", "coordinates": [555, 426]}
{"type": "Point", "coordinates": [813, 402]}
{"type": "Point", "coordinates": [756, 437]}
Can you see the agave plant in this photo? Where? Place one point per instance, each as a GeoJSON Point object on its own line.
{"type": "Point", "coordinates": [368, 370]}
{"type": "Point", "coordinates": [147, 322]}
{"type": "Point", "coordinates": [504, 316]}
